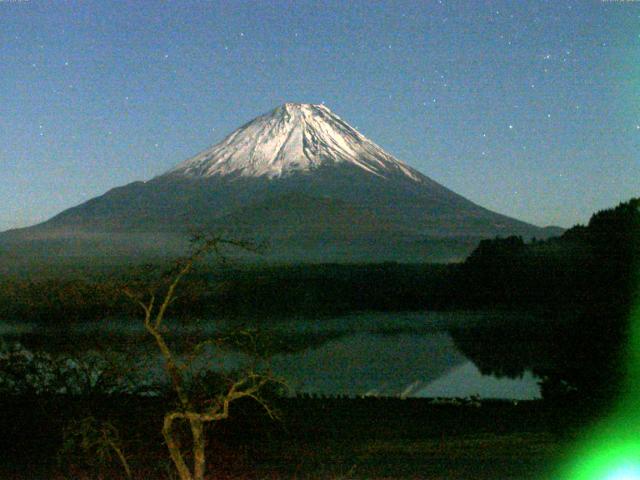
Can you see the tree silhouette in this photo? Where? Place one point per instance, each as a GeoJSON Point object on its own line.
{"type": "Point", "coordinates": [197, 412]}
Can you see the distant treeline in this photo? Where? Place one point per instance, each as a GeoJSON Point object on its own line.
{"type": "Point", "coordinates": [236, 291]}
{"type": "Point", "coordinates": [587, 270]}
{"type": "Point", "coordinates": [583, 284]}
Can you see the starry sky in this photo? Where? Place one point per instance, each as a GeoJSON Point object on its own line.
{"type": "Point", "coordinates": [529, 108]}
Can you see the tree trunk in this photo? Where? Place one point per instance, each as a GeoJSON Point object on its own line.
{"type": "Point", "coordinates": [199, 461]}
{"type": "Point", "coordinates": [174, 449]}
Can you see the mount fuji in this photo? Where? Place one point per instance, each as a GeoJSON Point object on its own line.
{"type": "Point", "coordinates": [298, 177]}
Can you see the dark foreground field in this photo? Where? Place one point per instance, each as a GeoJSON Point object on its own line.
{"type": "Point", "coordinates": [315, 438]}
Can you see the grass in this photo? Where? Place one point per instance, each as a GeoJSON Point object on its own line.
{"type": "Point", "coordinates": [317, 439]}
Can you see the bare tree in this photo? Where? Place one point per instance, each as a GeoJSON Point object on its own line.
{"type": "Point", "coordinates": [196, 414]}
{"type": "Point", "coordinates": [95, 439]}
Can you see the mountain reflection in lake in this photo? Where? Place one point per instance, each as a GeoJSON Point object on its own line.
{"type": "Point", "coordinates": [408, 354]}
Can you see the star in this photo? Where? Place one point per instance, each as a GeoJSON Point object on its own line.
{"type": "Point", "coordinates": [510, 127]}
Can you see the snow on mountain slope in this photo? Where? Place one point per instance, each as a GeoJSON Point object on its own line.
{"type": "Point", "coordinates": [293, 138]}
{"type": "Point", "coordinates": [298, 177]}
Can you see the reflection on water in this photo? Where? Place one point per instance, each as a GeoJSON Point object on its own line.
{"type": "Point", "coordinates": [407, 354]}
{"type": "Point", "coordinates": [369, 363]}
{"type": "Point", "coordinates": [466, 381]}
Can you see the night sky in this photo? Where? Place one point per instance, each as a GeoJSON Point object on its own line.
{"type": "Point", "coordinates": [529, 108]}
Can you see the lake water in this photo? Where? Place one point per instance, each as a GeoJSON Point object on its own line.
{"type": "Point", "coordinates": [406, 354]}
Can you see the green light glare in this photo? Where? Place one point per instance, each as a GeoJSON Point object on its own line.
{"type": "Point", "coordinates": [611, 450]}
{"type": "Point", "coordinates": [626, 472]}
{"type": "Point", "coordinates": [608, 460]}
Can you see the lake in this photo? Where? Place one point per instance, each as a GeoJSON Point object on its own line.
{"type": "Point", "coordinates": [390, 354]}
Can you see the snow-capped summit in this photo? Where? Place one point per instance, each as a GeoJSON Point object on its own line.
{"type": "Point", "coordinates": [299, 178]}
{"type": "Point", "coordinates": [294, 137]}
